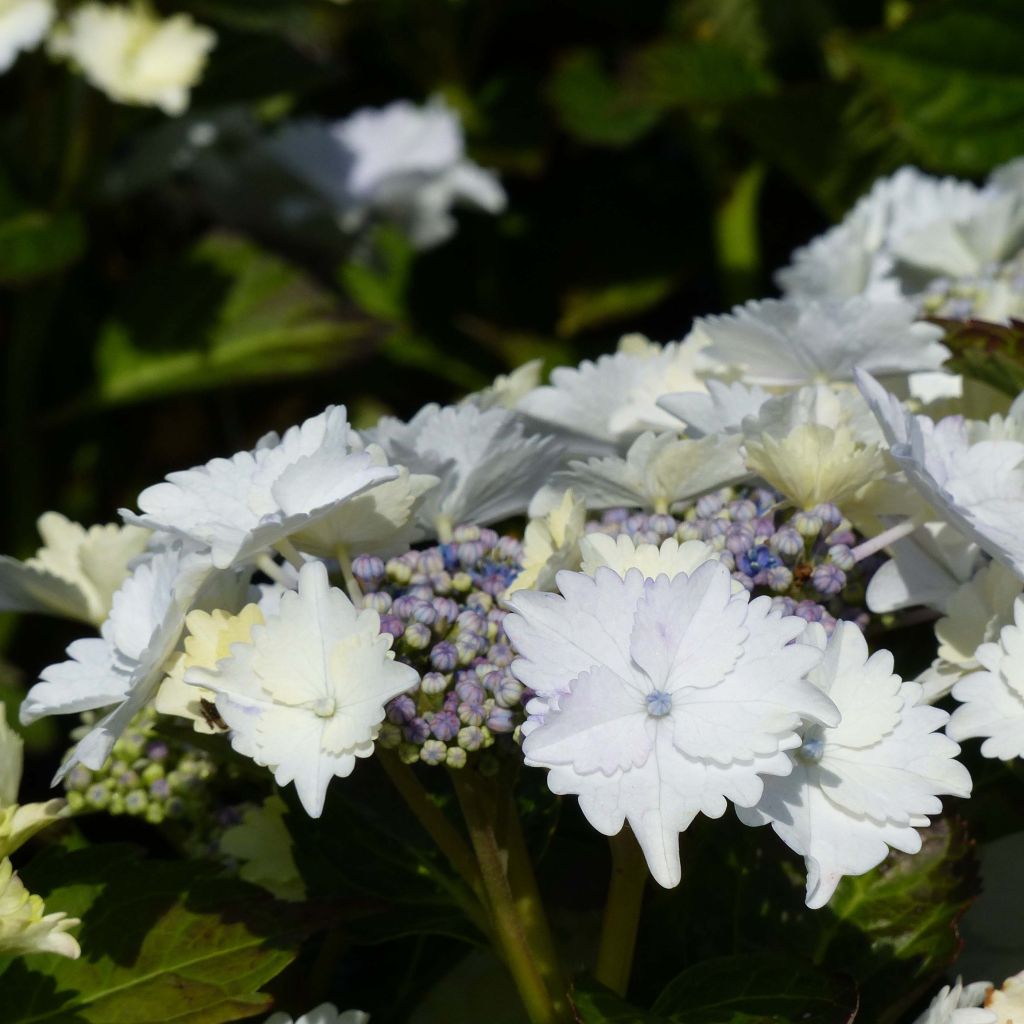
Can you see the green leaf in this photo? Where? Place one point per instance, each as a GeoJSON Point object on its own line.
{"type": "Point", "coordinates": [36, 243]}
{"type": "Point", "coordinates": [596, 1005]}
{"type": "Point", "coordinates": [229, 313]}
{"type": "Point", "coordinates": [160, 941]}
{"type": "Point", "coordinates": [991, 353]}
{"type": "Point", "coordinates": [594, 107]}
{"type": "Point", "coordinates": [759, 989]}
{"type": "Point", "coordinates": [586, 308]}
{"type": "Point", "coordinates": [953, 81]}
{"type": "Point", "coordinates": [378, 281]}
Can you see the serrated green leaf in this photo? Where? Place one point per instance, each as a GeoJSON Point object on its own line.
{"type": "Point", "coordinates": [36, 243]}
{"type": "Point", "coordinates": [160, 941]}
{"type": "Point", "coordinates": [229, 313]}
{"type": "Point", "coordinates": [953, 81]}
{"type": "Point", "coordinates": [596, 1005]}
{"type": "Point", "coordinates": [989, 352]}
{"type": "Point", "coordinates": [758, 989]}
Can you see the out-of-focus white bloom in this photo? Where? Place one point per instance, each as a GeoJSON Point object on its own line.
{"type": "Point", "coordinates": [551, 543]}
{"type": "Point", "coordinates": [306, 695]}
{"type": "Point", "coordinates": [402, 162]}
{"type": "Point", "coordinates": [975, 614]}
{"type": "Point", "coordinates": [134, 56]}
{"type": "Point", "coordinates": [263, 847]}
{"type": "Point", "coordinates": [488, 469]}
{"type": "Point", "coordinates": [658, 471]}
{"type": "Point", "coordinates": [208, 639]}
{"type": "Point", "coordinates": [600, 407]}
{"type": "Point", "coordinates": [240, 507]}
{"type": "Point", "coordinates": [721, 410]}
{"type": "Point", "coordinates": [957, 1004]}
{"type": "Point", "coordinates": [1007, 1002]}
{"type": "Point", "coordinates": [508, 389]}
{"type": "Point", "coordinates": [23, 23]}
{"type": "Point", "coordinates": [978, 487]}
{"type": "Point", "coordinates": [812, 446]}
{"type": "Point", "coordinates": [125, 663]}
{"type": "Point", "coordinates": [660, 699]}
{"type": "Point", "coordinates": [992, 700]}
{"type": "Point", "coordinates": [18, 822]}
{"type": "Point", "coordinates": [784, 343]}
{"type": "Point", "coordinates": [868, 782]}
{"type": "Point", "coordinates": [76, 571]}
{"type": "Point", "coordinates": [622, 553]}
{"type": "Point", "coordinates": [909, 229]}
{"type": "Point", "coordinates": [325, 1013]}
{"type": "Point", "coordinates": [25, 927]}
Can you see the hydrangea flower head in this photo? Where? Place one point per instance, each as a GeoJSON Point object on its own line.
{"type": "Point", "coordinates": [134, 56]}
{"type": "Point", "coordinates": [869, 780]}
{"type": "Point", "coordinates": [76, 571]}
{"type": "Point", "coordinates": [239, 507]}
{"type": "Point", "coordinates": [23, 24]}
{"type": "Point", "coordinates": [660, 699]}
{"type": "Point", "coordinates": [786, 343]}
{"type": "Point", "coordinates": [306, 696]}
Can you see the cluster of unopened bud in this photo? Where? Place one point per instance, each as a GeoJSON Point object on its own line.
{"type": "Point", "coordinates": [440, 605]}
{"type": "Point", "coordinates": [145, 776]}
{"type": "Point", "coordinates": [995, 294]}
{"type": "Point", "coordinates": [805, 560]}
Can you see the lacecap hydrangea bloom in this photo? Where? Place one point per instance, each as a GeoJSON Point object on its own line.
{"type": "Point", "coordinates": [134, 56]}
{"type": "Point", "coordinates": [660, 699]}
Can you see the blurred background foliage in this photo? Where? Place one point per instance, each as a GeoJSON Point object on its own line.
{"type": "Point", "coordinates": [661, 159]}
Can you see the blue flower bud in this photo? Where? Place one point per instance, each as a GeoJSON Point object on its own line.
{"type": "Point", "coordinates": [392, 624]}
{"type": "Point", "coordinates": [379, 601]}
{"type": "Point", "coordinates": [787, 542]}
{"type": "Point", "coordinates": [417, 637]}
{"type": "Point", "coordinates": [444, 656]}
{"type": "Point", "coordinates": [739, 539]}
{"type": "Point", "coordinates": [434, 683]}
{"type": "Point", "coordinates": [465, 532]}
{"type": "Point", "coordinates": [828, 514]}
{"type": "Point", "coordinates": [401, 709]}
{"type": "Point", "coordinates": [828, 579]}
{"type": "Point", "coordinates": [807, 524]}
{"type": "Point", "coordinates": [809, 610]}
{"type": "Point", "coordinates": [500, 720]}
{"type": "Point", "coordinates": [742, 511]}
{"type": "Point", "coordinates": [468, 689]}
{"type": "Point", "coordinates": [368, 569]}
{"type": "Point", "coordinates": [416, 731]}
{"type": "Point", "coordinates": [433, 752]}
{"type": "Point", "coordinates": [472, 713]}
{"type": "Point", "coordinates": [778, 578]}
{"type": "Point", "coordinates": [841, 555]}
{"type": "Point", "coordinates": [445, 725]}
{"type": "Point", "coordinates": [709, 505]}
{"type": "Point", "coordinates": [471, 737]}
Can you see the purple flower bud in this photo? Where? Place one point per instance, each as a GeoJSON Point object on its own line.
{"type": "Point", "coordinates": [743, 578]}
{"type": "Point", "coordinates": [508, 692]}
{"type": "Point", "coordinates": [368, 568]}
{"type": "Point", "coordinates": [159, 789]}
{"type": "Point", "coordinates": [416, 731]}
{"type": "Point", "coordinates": [689, 531]}
{"type": "Point", "coordinates": [500, 720]}
{"type": "Point", "coordinates": [728, 559]}
{"type": "Point", "coordinates": [441, 582]}
{"type": "Point", "coordinates": [471, 737]}
{"type": "Point", "coordinates": [472, 713]}
{"type": "Point", "coordinates": [433, 752]}
{"type": "Point", "coordinates": [809, 610]}
{"type": "Point", "coordinates": [663, 524]}
{"type": "Point", "coordinates": [470, 552]}
{"type": "Point", "coordinates": [807, 524]}
{"type": "Point", "coordinates": [480, 602]}
{"type": "Point", "coordinates": [508, 549]}
{"type": "Point", "coordinates": [401, 709]}
{"type": "Point", "coordinates": [615, 516]}
{"type": "Point", "coordinates": [444, 656]}
{"type": "Point", "coordinates": [157, 751]}
{"type": "Point", "coordinates": [841, 555]}
{"type": "Point", "coordinates": [433, 683]}
{"type": "Point", "coordinates": [764, 528]}
{"type": "Point", "coordinates": [739, 540]}
{"type": "Point", "coordinates": [445, 725]}
{"type": "Point", "coordinates": [842, 537]}
{"type": "Point", "coordinates": [403, 605]}
{"type": "Point", "coordinates": [742, 511]}
{"type": "Point", "coordinates": [447, 609]}
{"type": "Point", "coordinates": [716, 528]}
{"type": "Point", "coordinates": [778, 578]}
{"type": "Point", "coordinates": [828, 579]}
{"type": "Point", "coordinates": [379, 601]}
{"type": "Point", "coordinates": [392, 624]}
{"type": "Point", "coordinates": [468, 689]}
{"type": "Point", "coordinates": [417, 637]}
{"type": "Point", "coordinates": [709, 505]}
{"type": "Point", "coordinates": [471, 621]}
{"type": "Point", "coordinates": [456, 757]}
{"type": "Point", "coordinates": [424, 613]}
{"type": "Point", "coordinates": [828, 514]}
{"type": "Point", "coordinates": [787, 542]}
{"type": "Point", "coordinates": [501, 655]}
{"type": "Point", "coordinates": [786, 605]}
{"type": "Point", "coordinates": [431, 561]}
{"type": "Point", "coordinates": [465, 532]}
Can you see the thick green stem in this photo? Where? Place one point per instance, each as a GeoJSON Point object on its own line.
{"type": "Point", "coordinates": [481, 813]}
{"type": "Point", "coordinates": [621, 912]}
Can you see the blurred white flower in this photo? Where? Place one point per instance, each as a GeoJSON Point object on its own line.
{"type": "Point", "coordinates": [979, 488]}
{"type": "Point", "coordinates": [551, 543]}
{"type": "Point", "coordinates": [1007, 1001]}
{"type": "Point", "coordinates": [23, 24]}
{"type": "Point", "coordinates": [488, 469]}
{"type": "Point", "coordinates": [660, 699]}
{"type": "Point", "coordinates": [784, 343]}
{"type": "Point", "coordinates": [134, 56]}
{"type": "Point", "coordinates": [125, 663]}
{"type": "Point", "coordinates": [306, 695]}
{"type": "Point", "coordinates": [992, 699]}
{"type": "Point", "coordinates": [867, 782]}
{"type": "Point", "coordinates": [25, 927]}
{"type": "Point", "coordinates": [240, 507]}
{"type": "Point", "coordinates": [325, 1013]}
{"type": "Point", "coordinates": [957, 1004]}
{"type": "Point", "coordinates": [75, 573]}
{"type": "Point", "coordinates": [402, 162]}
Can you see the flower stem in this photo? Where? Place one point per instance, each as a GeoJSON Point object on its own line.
{"type": "Point", "coordinates": [621, 912]}
{"type": "Point", "coordinates": [287, 549]}
{"type": "Point", "coordinates": [355, 592]}
{"type": "Point", "coordinates": [270, 568]}
{"type": "Point", "coordinates": [481, 813]}
{"type": "Point", "coordinates": [884, 539]}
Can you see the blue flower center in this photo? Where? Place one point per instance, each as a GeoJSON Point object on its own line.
{"type": "Point", "coordinates": [811, 750]}
{"type": "Point", "coordinates": [659, 703]}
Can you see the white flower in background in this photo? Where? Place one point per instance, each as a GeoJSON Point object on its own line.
{"type": "Point", "coordinates": [814, 446]}
{"type": "Point", "coordinates": [507, 389]}
{"type": "Point", "coordinates": [18, 822]}
{"type": "Point", "coordinates": [25, 927]}
{"type": "Point", "coordinates": [866, 782]}
{"type": "Point", "coordinates": [263, 847]}
{"type": "Point", "coordinates": [75, 573]}
{"type": "Point", "coordinates": [125, 663]}
{"type": "Point", "coordinates": [1007, 1002]}
{"type": "Point", "coordinates": [305, 697]}
{"type": "Point", "coordinates": [325, 1013]}
{"type": "Point", "coordinates": [975, 614]}
{"type": "Point", "coordinates": [992, 699]}
{"type": "Point", "coordinates": [489, 470]}
{"type": "Point", "coordinates": [779, 343]}
{"type": "Point", "coordinates": [658, 471]}
{"type": "Point", "coordinates": [960, 1004]}
{"type": "Point", "coordinates": [600, 407]}
{"type": "Point", "coordinates": [979, 488]}
{"type": "Point", "coordinates": [660, 699]}
{"type": "Point", "coordinates": [720, 410]}
{"type": "Point", "coordinates": [551, 543]}
{"type": "Point", "coordinates": [240, 507]}
{"type": "Point", "coordinates": [402, 162]}
{"type": "Point", "coordinates": [23, 24]}
{"type": "Point", "coordinates": [134, 56]}
{"type": "Point", "coordinates": [622, 553]}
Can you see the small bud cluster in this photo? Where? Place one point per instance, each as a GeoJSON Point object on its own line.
{"type": "Point", "coordinates": [145, 776]}
{"type": "Point", "coordinates": [440, 605]}
{"type": "Point", "coordinates": [996, 294]}
{"type": "Point", "coordinates": [804, 560]}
